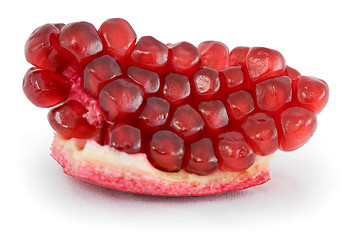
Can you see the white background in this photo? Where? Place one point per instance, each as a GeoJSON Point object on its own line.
{"type": "Point", "coordinates": [313, 193]}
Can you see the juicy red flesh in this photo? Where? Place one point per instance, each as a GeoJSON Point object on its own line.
{"type": "Point", "coordinates": [68, 120]}
{"type": "Point", "coordinates": [198, 109]}
{"type": "Point", "coordinates": [98, 73]}
{"type": "Point", "coordinates": [214, 55]}
{"type": "Point", "coordinates": [44, 88]}
{"type": "Point", "coordinates": [124, 138]}
{"type": "Point", "coordinates": [234, 153]}
{"type": "Point", "coordinates": [202, 159]}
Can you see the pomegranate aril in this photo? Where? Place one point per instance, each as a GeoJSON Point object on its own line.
{"type": "Point", "coordinates": [40, 49]}
{"type": "Point", "coordinates": [292, 73]}
{"type": "Point", "coordinates": [264, 63]}
{"type": "Point", "coordinates": [297, 126]}
{"type": "Point", "coordinates": [214, 54]}
{"type": "Point", "coordinates": [176, 87]}
{"type": "Point", "coordinates": [233, 78]}
{"type": "Point", "coordinates": [120, 98]}
{"type": "Point", "coordinates": [234, 153]}
{"type": "Point", "coordinates": [186, 121]}
{"type": "Point", "coordinates": [148, 80]}
{"type": "Point", "coordinates": [240, 104]}
{"type": "Point", "coordinates": [156, 112]}
{"type": "Point", "coordinates": [98, 73]}
{"type": "Point", "coordinates": [44, 88]}
{"type": "Point", "coordinates": [124, 138]}
{"type": "Point", "coordinates": [206, 82]}
{"type": "Point", "coordinates": [201, 159]}
{"type": "Point", "coordinates": [118, 38]}
{"type": "Point", "coordinates": [273, 93]}
{"type": "Point", "coordinates": [261, 133]}
{"type": "Point", "coordinates": [81, 40]}
{"type": "Point", "coordinates": [68, 120]}
{"type": "Point", "coordinates": [214, 114]}
{"type": "Point", "coordinates": [166, 151]}
{"type": "Point", "coordinates": [150, 53]}
{"type": "Point", "coordinates": [59, 25]}
{"type": "Point", "coordinates": [238, 56]}
{"type": "Point", "coordinates": [312, 93]}
{"type": "Point", "coordinates": [184, 58]}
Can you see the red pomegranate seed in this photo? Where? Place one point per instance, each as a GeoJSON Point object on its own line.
{"type": "Point", "coordinates": [207, 82]}
{"type": "Point", "coordinates": [124, 138]}
{"type": "Point", "coordinates": [40, 49]}
{"type": "Point", "coordinates": [238, 56]}
{"type": "Point", "coordinates": [312, 93]}
{"type": "Point", "coordinates": [176, 87]}
{"type": "Point", "coordinates": [233, 78]}
{"type": "Point", "coordinates": [292, 73]}
{"type": "Point", "coordinates": [59, 25]}
{"type": "Point", "coordinates": [44, 88]}
{"type": "Point", "coordinates": [261, 132]}
{"type": "Point", "coordinates": [98, 73]}
{"type": "Point", "coordinates": [150, 53]}
{"type": "Point", "coordinates": [118, 37]}
{"type": "Point", "coordinates": [273, 93]}
{"type": "Point", "coordinates": [155, 112]}
{"type": "Point", "coordinates": [241, 104]}
{"type": "Point", "coordinates": [186, 121]}
{"type": "Point", "coordinates": [166, 151]}
{"type": "Point", "coordinates": [214, 114]}
{"type": "Point", "coordinates": [68, 120]}
{"type": "Point", "coordinates": [120, 98]}
{"type": "Point", "coordinates": [184, 58]}
{"type": "Point", "coordinates": [81, 39]}
{"type": "Point", "coordinates": [298, 125]}
{"type": "Point", "coordinates": [202, 159]}
{"type": "Point", "coordinates": [234, 153]}
{"type": "Point", "coordinates": [214, 54]}
{"type": "Point", "coordinates": [148, 80]}
{"type": "Point", "coordinates": [264, 63]}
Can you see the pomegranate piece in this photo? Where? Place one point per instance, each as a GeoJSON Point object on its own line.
{"type": "Point", "coordinates": [184, 58]}
{"type": "Point", "coordinates": [124, 138]}
{"type": "Point", "coordinates": [273, 93]}
{"type": "Point", "coordinates": [166, 151]}
{"type": "Point", "coordinates": [233, 78]}
{"type": "Point", "coordinates": [214, 114]}
{"type": "Point", "coordinates": [118, 38]}
{"type": "Point", "coordinates": [261, 133]}
{"type": "Point", "coordinates": [240, 104]}
{"type": "Point", "coordinates": [292, 73]}
{"type": "Point", "coordinates": [186, 121]}
{"type": "Point", "coordinates": [312, 93]}
{"type": "Point", "coordinates": [207, 82]}
{"type": "Point", "coordinates": [120, 98]}
{"type": "Point", "coordinates": [234, 153]}
{"type": "Point", "coordinates": [98, 73]}
{"type": "Point", "coordinates": [68, 120]}
{"type": "Point", "coordinates": [81, 40]}
{"type": "Point", "coordinates": [44, 88]}
{"type": "Point", "coordinates": [40, 49]}
{"type": "Point", "coordinates": [155, 112]}
{"type": "Point", "coordinates": [238, 56]}
{"type": "Point", "coordinates": [150, 53]}
{"type": "Point", "coordinates": [202, 159]}
{"type": "Point", "coordinates": [214, 54]}
{"type": "Point", "coordinates": [297, 126]}
{"type": "Point", "coordinates": [264, 63]}
{"type": "Point", "coordinates": [176, 87]}
{"type": "Point", "coordinates": [148, 80]}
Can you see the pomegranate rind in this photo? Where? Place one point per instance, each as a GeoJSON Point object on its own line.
{"type": "Point", "coordinates": [110, 168]}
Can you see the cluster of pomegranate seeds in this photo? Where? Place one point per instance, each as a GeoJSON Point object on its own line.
{"type": "Point", "coordinates": [202, 109]}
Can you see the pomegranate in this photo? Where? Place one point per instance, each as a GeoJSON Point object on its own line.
{"type": "Point", "coordinates": [173, 120]}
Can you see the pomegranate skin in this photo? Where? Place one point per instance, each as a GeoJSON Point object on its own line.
{"type": "Point", "coordinates": [86, 161]}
